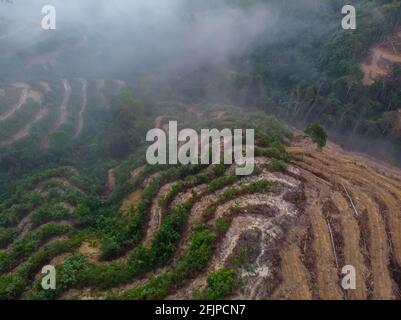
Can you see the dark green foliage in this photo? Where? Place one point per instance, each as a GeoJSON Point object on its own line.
{"type": "Point", "coordinates": [49, 212]}
{"type": "Point", "coordinates": [70, 270]}
{"type": "Point", "coordinates": [30, 243]}
{"type": "Point", "coordinates": [18, 120]}
{"type": "Point", "coordinates": [278, 165]}
{"type": "Point", "coordinates": [219, 284]}
{"type": "Point", "coordinates": [194, 261]}
{"type": "Point", "coordinates": [13, 285]}
{"type": "Point", "coordinates": [7, 236]}
{"type": "Point", "coordinates": [317, 134]}
{"type": "Point", "coordinates": [164, 244]}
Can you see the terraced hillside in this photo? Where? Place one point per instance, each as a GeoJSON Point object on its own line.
{"type": "Point", "coordinates": [184, 232]}
{"type": "Point", "coordinates": [39, 112]}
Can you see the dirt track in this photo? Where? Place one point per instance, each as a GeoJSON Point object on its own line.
{"type": "Point", "coordinates": [80, 126]}
{"type": "Point", "coordinates": [25, 131]}
{"type": "Point", "coordinates": [111, 180]}
{"type": "Point", "coordinates": [21, 101]}
{"type": "Point", "coordinates": [381, 60]}
{"type": "Point", "coordinates": [63, 107]}
{"type": "Point", "coordinates": [367, 196]}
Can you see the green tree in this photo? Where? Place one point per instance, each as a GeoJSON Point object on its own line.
{"type": "Point", "coordinates": [220, 284]}
{"type": "Point", "coordinates": [126, 125]}
{"type": "Point", "coordinates": [317, 134]}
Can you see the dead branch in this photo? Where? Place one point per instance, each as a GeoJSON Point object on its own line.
{"type": "Point", "coordinates": [350, 200]}
{"type": "Point", "coordinates": [332, 243]}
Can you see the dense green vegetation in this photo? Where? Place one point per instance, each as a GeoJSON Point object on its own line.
{"type": "Point", "coordinates": [30, 243]}
{"type": "Point", "coordinates": [8, 97]}
{"type": "Point", "coordinates": [100, 141]}
{"type": "Point", "coordinates": [309, 70]}
{"type": "Point", "coordinates": [18, 120]}
{"type": "Point", "coordinates": [195, 260]}
{"type": "Point", "coordinates": [219, 285]}
{"type": "Point", "coordinates": [78, 271]}
{"type": "Point", "coordinates": [64, 201]}
{"type": "Point", "coordinates": [317, 134]}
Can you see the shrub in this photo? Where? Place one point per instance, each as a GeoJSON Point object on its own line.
{"type": "Point", "coordinates": [28, 244]}
{"type": "Point", "coordinates": [278, 165]}
{"type": "Point", "coordinates": [71, 268]}
{"type": "Point", "coordinates": [194, 261]}
{"type": "Point", "coordinates": [222, 225]}
{"type": "Point", "coordinates": [317, 134]}
{"type": "Point", "coordinates": [219, 284]}
{"type": "Point", "coordinates": [49, 212]}
{"type": "Point", "coordinates": [7, 236]}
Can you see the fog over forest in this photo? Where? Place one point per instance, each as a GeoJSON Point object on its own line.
{"type": "Point", "coordinates": [101, 37]}
{"type": "Point", "coordinates": [256, 53]}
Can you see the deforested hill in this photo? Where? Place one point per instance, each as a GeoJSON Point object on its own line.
{"type": "Point", "coordinates": [199, 231]}
{"type": "Point", "coordinates": [78, 193]}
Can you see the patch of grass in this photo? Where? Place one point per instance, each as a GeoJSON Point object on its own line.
{"type": "Point", "coordinates": [220, 284]}
{"type": "Point", "coordinates": [278, 165]}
